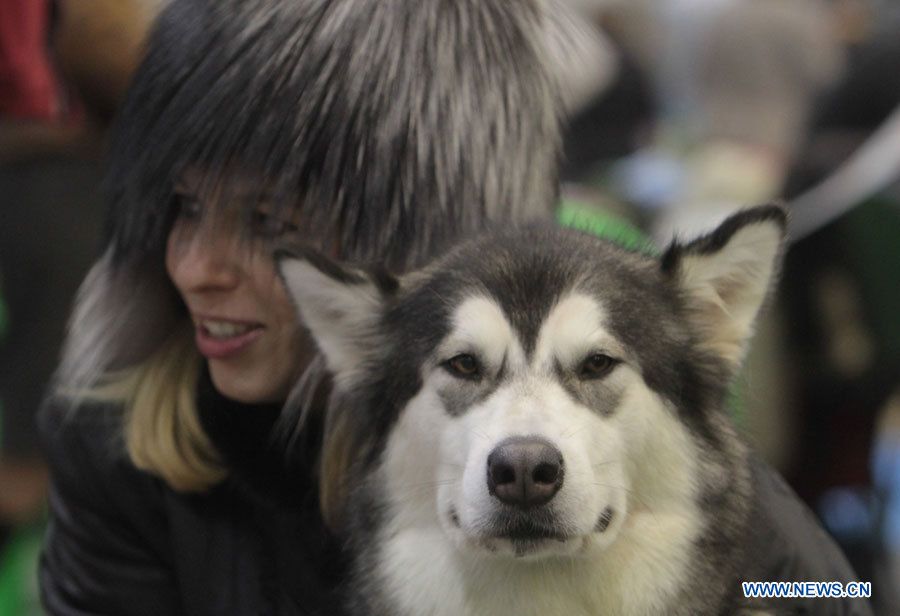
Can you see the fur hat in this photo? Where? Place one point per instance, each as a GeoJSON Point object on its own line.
{"type": "Point", "coordinates": [394, 126]}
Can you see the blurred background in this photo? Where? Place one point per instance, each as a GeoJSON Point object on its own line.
{"type": "Point", "coordinates": [688, 110]}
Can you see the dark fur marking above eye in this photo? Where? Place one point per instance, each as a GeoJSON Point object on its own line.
{"type": "Point", "coordinates": [466, 391]}
{"type": "Point", "coordinates": [592, 391]}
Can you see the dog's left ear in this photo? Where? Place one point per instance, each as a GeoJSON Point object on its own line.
{"type": "Point", "coordinates": [726, 277]}
{"type": "Point", "coordinates": [340, 305]}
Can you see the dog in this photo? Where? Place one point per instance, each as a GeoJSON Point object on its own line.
{"type": "Point", "coordinates": [535, 422]}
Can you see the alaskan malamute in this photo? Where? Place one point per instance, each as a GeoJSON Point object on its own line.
{"type": "Point", "coordinates": [534, 424]}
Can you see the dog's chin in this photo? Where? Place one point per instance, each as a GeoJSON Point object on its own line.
{"type": "Point", "coordinates": [531, 549]}
{"type": "Point", "coordinates": [523, 540]}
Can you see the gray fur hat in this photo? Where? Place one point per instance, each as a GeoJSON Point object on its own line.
{"type": "Point", "coordinates": [391, 124]}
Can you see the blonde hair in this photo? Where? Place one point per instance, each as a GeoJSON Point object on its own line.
{"type": "Point", "coordinates": [161, 423]}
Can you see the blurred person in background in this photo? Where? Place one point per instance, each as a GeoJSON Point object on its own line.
{"type": "Point", "coordinates": [719, 100]}
{"type": "Point", "coordinates": [842, 299]}
{"type": "Point", "coordinates": [31, 98]}
{"type": "Point", "coordinates": [732, 85]}
{"type": "Point", "coordinates": [64, 66]}
{"type": "Point", "coordinates": [728, 102]}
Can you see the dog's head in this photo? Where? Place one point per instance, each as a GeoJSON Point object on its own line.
{"type": "Point", "coordinates": [536, 389]}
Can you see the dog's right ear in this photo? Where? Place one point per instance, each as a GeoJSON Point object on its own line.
{"type": "Point", "coordinates": [340, 305]}
{"type": "Point", "coordinates": [726, 276]}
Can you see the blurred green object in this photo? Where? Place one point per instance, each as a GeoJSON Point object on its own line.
{"type": "Point", "coordinates": [18, 572]}
{"type": "Point", "coordinates": [871, 233]}
{"type": "Point", "coordinates": [4, 326]}
{"type": "Point", "coordinates": [591, 219]}
{"type": "Point", "coordinates": [735, 401]}
{"type": "Point", "coordinates": [20, 551]}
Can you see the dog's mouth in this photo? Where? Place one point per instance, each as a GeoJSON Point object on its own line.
{"type": "Point", "coordinates": [531, 534]}
{"type": "Point", "coordinates": [528, 531]}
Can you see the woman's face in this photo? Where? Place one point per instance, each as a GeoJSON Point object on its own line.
{"type": "Point", "coordinates": [244, 323]}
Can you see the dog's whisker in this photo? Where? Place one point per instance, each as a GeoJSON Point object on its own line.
{"type": "Point", "coordinates": [604, 463]}
{"type": "Point", "coordinates": [632, 493]}
{"type": "Point", "coordinates": [435, 482]}
{"type": "Point", "coordinates": [576, 430]}
{"type": "Point", "coordinates": [451, 465]}
{"type": "Point", "coordinates": [415, 489]}
{"type": "Point", "coordinates": [480, 434]}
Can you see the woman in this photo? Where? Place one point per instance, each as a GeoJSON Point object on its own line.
{"type": "Point", "coordinates": [378, 131]}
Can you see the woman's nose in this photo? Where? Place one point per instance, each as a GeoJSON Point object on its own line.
{"type": "Point", "coordinates": [207, 263]}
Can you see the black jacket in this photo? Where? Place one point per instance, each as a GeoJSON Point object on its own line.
{"type": "Point", "coordinates": [121, 542]}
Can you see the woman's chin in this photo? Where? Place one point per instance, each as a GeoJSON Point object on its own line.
{"type": "Point", "coordinates": [248, 385]}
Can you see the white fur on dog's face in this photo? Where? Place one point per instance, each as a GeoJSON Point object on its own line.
{"type": "Point", "coordinates": [602, 442]}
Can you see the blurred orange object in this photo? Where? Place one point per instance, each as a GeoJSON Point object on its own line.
{"type": "Point", "coordinates": [28, 86]}
{"type": "Point", "coordinates": [24, 489]}
{"type": "Point", "coordinates": [99, 44]}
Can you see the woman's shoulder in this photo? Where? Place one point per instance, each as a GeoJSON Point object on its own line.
{"type": "Point", "coordinates": [85, 449]}
{"type": "Point", "coordinates": [109, 541]}
{"type": "Point", "coordinates": [90, 433]}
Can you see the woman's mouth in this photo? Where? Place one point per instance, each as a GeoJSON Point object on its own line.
{"type": "Point", "coordinates": [219, 339]}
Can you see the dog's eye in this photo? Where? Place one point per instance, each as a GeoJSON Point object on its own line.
{"type": "Point", "coordinates": [597, 365]}
{"type": "Point", "coordinates": [463, 366]}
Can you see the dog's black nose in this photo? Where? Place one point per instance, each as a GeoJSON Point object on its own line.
{"type": "Point", "coordinates": [525, 471]}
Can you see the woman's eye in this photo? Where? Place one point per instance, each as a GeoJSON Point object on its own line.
{"type": "Point", "coordinates": [269, 226]}
{"type": "Point", "coordinates": [188, 206]}
{"type": "Point", "coordinates": [597, 365]}
{"type": "Point", "coordinates": [463, 366]}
